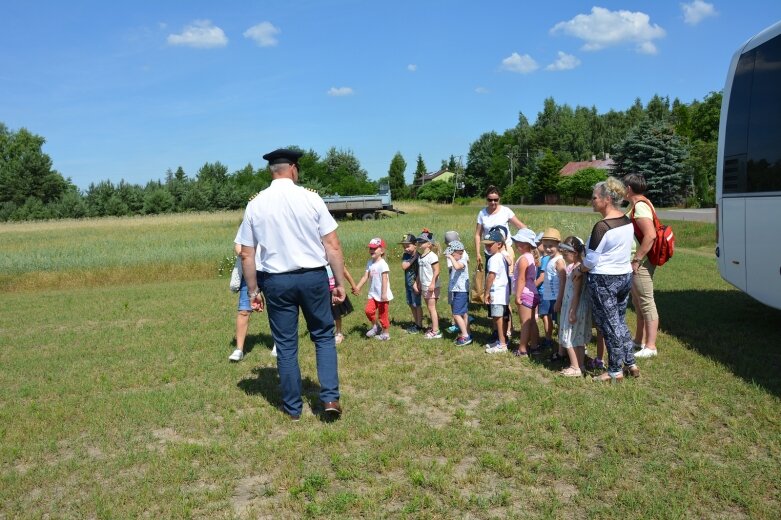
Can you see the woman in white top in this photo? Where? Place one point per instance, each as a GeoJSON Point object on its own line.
{"type": "Point", "coordinates": [607, 263]}
{"type": "Point", "coordinates": [494, 214]}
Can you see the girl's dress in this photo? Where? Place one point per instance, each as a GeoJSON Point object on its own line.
{"type": "Point", "coordinates": [339, 310]}
{"type": "Point", "coordinates": [576, 334]}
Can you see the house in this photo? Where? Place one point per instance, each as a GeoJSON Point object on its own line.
{"type": "Point", "coordinates": [574, 166]}
{"type": "Point", "coordinates": [442, 175]}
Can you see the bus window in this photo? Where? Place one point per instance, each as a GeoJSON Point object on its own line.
{"type": "Point", "coordinates": [764, 131]}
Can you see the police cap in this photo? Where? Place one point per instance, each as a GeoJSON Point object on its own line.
{"type": "Point", "coordinates": [283, 156]}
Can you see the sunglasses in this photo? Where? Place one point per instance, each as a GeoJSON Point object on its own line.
{"type": "Point", "coordinates": [492, 200]}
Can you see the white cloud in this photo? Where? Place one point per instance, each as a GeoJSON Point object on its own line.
{"type": "Point", "coordinates": [201, 34]}
{"type": "Point", "coordinates": [340, 91]}
{"type": "Point", "coordinates": [264, 34]}
{"type": "Point", "coordinates": [482, 90]}
{"type": "Point", "coordinates": [412, 67]}
{"type": "Point", "coordinates": [604, 28]}
{"type": "Point", "coordinates": [564, 62]}
{"type": "Point", "coordinates": [696, 11]}
{"type": "Point", "coordinates": [521, 64]}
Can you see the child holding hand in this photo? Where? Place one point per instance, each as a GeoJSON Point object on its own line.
{"type": "Point", "coordinates": [575, 317]}
{"type": "Point", "coordinates": [380, 293]}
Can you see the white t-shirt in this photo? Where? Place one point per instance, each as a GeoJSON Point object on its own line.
{"type": "Point", "coordinates": [375, 270]}
{"type": "Point", "coordinates": [501, 287]}
{"type": "Point", "coordinates": [459, 278]}
{"type": "Point", "coordinates": [288, 223]}
{"type": "Point", "coordinates": [501, 217]}
{"type": "Point", "coordinates": [426, 270]}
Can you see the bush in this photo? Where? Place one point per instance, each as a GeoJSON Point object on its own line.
{"type": "Point", "coordinates": [437, 191]}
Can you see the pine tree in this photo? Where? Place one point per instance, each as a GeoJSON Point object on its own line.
{"type": "Point", "coordinates": [420, 170]}
{"type": "Point", "coordinates": [396, 180]}
{"type": "Point", "coordinates": [654, 150]}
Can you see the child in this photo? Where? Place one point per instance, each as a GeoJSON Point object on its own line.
{"type": "Point", "coordinates": [554, 280]}
{"type": "Point", "coordinates": [428, 280]}
{"type": "Point", "coordinates": [340, 310]}
{"type": "Point", "coordinates": [379, 291]}
{"type": "Point", "coordinates": [458, 289]}
{"type": "Point", "coordinates": [496, 289]}
{"type": "Point", "coordinates": [453, 236]}
{"type": "Point", "coordinates": [526, 296]}
{"type": "Point", "coordinates": [409, 262]}
{"type": "Point", "coordinates": [575, 321]}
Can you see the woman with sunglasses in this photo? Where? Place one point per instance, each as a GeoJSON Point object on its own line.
{"type": "Point", "coordinates": [494, 215]}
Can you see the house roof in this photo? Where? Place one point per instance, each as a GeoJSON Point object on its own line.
{"type": "Point", "coordinates": [431, 176]}
{"type": "Point", "coordinates": [571, 167]}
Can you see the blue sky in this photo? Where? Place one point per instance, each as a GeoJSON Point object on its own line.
{"type": "Point", "coordinates": [126, 90]}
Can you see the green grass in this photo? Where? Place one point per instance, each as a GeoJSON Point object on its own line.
{"type": "Point", "coordinates": [118, 401]}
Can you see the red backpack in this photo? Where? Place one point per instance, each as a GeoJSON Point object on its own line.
{"type": "Point", "coordinates": [664, 245]}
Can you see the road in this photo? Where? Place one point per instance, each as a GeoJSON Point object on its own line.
{"type": "Point", "coordinates": [697, 215]}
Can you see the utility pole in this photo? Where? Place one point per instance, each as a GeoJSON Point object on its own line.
{"type": "Point", "coordinates": [510, 157]}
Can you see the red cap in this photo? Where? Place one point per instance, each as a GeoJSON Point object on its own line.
{"type": "Point", "coordinates": [374, 243]}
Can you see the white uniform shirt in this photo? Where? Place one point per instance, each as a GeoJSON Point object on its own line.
{"type": "Point", "coordinates": [375, 270]}
{"type": "Point", "coordinates": [288, 223]}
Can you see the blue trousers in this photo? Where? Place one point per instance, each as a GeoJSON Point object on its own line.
{"type": "Point", "coordinates": [308, 291]}
{"type": "Point", "coordinates": [609, 296]}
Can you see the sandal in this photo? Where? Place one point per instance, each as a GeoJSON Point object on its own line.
{"type": "Point", "coordinates": [632, 371]}
{"type": "Point", "coordinates": [605, 377]}
{"type": "Point", "coordinates": [571, 372]}
{"type": "Point", "coordinates": [518, 353]}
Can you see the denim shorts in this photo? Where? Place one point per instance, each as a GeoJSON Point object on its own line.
{"type": "Point", "coordinates": [244, 303]}
{"type": "Point", "coordinates": [413, 298]}
{"type": "Point", "coordinates": [544, 308]}
{"type": "Point", "coordinates": [460, 303]}
{"type": "Point", "coordinates": [497, 311]}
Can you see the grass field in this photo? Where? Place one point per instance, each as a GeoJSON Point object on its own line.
{"type": "Point", "coordinates": [118, 401]}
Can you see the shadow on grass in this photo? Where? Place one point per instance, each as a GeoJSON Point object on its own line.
{"type": "Point", "coordinates": [266, 384]}
{"type": "Point", "coordinates": [728, 327]}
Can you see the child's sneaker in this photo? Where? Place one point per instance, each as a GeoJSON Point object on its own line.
{"type": "Point", "coordinates": [452, 329]}
{"type": "Point", "coordinates": [430, 334]}
{"type": "Point", "coordinates": [237, 355]}
{"type": "Point", "coordinates": [413, 329]}
{"type": "Point", "coordinates": [462, 341]}
{"type": "Point", "coordinates": [498, 349]}
{"type": "Point", "coordinates": [372, 331]}
{"type": "Point", "coordinates": [491, 344]}
{"type": "Point", "coordinates": [382, 337]}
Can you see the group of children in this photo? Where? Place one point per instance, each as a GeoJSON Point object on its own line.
{"type": "Point", "coordinates": [422, 284]}
{"type": "Point", "coordinates": [540, 283]}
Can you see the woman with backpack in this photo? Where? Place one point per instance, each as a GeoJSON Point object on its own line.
{"type": "Point", "coordinates": [642, 215]}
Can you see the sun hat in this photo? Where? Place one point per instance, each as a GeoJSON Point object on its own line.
{"type": "Point", "coordinates": [374, 243]}
{"type": "Point", "coordinates": [454, 246]}
{"type": "Point", "coordinates": [525, 235]}
{"type": "Point", "coordinates": [552, 234]}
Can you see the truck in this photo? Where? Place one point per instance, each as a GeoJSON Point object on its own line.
{"type": "Point", "coordinates": [364, 207]}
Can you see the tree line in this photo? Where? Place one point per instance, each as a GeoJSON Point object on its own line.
{"type": "Point", "coordinates": [672, 144]}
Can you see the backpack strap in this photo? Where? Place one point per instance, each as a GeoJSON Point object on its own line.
{"type": "Point", "coordinates": [657, 224]}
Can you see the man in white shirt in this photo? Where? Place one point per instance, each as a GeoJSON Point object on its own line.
{"type": "Point", "coordinates": [297, 239]}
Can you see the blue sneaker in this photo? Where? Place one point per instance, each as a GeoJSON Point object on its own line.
{"type": "Point", "coordinates": [452, 329]}
{"type": "Point", "coordinates": [463, 341]}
